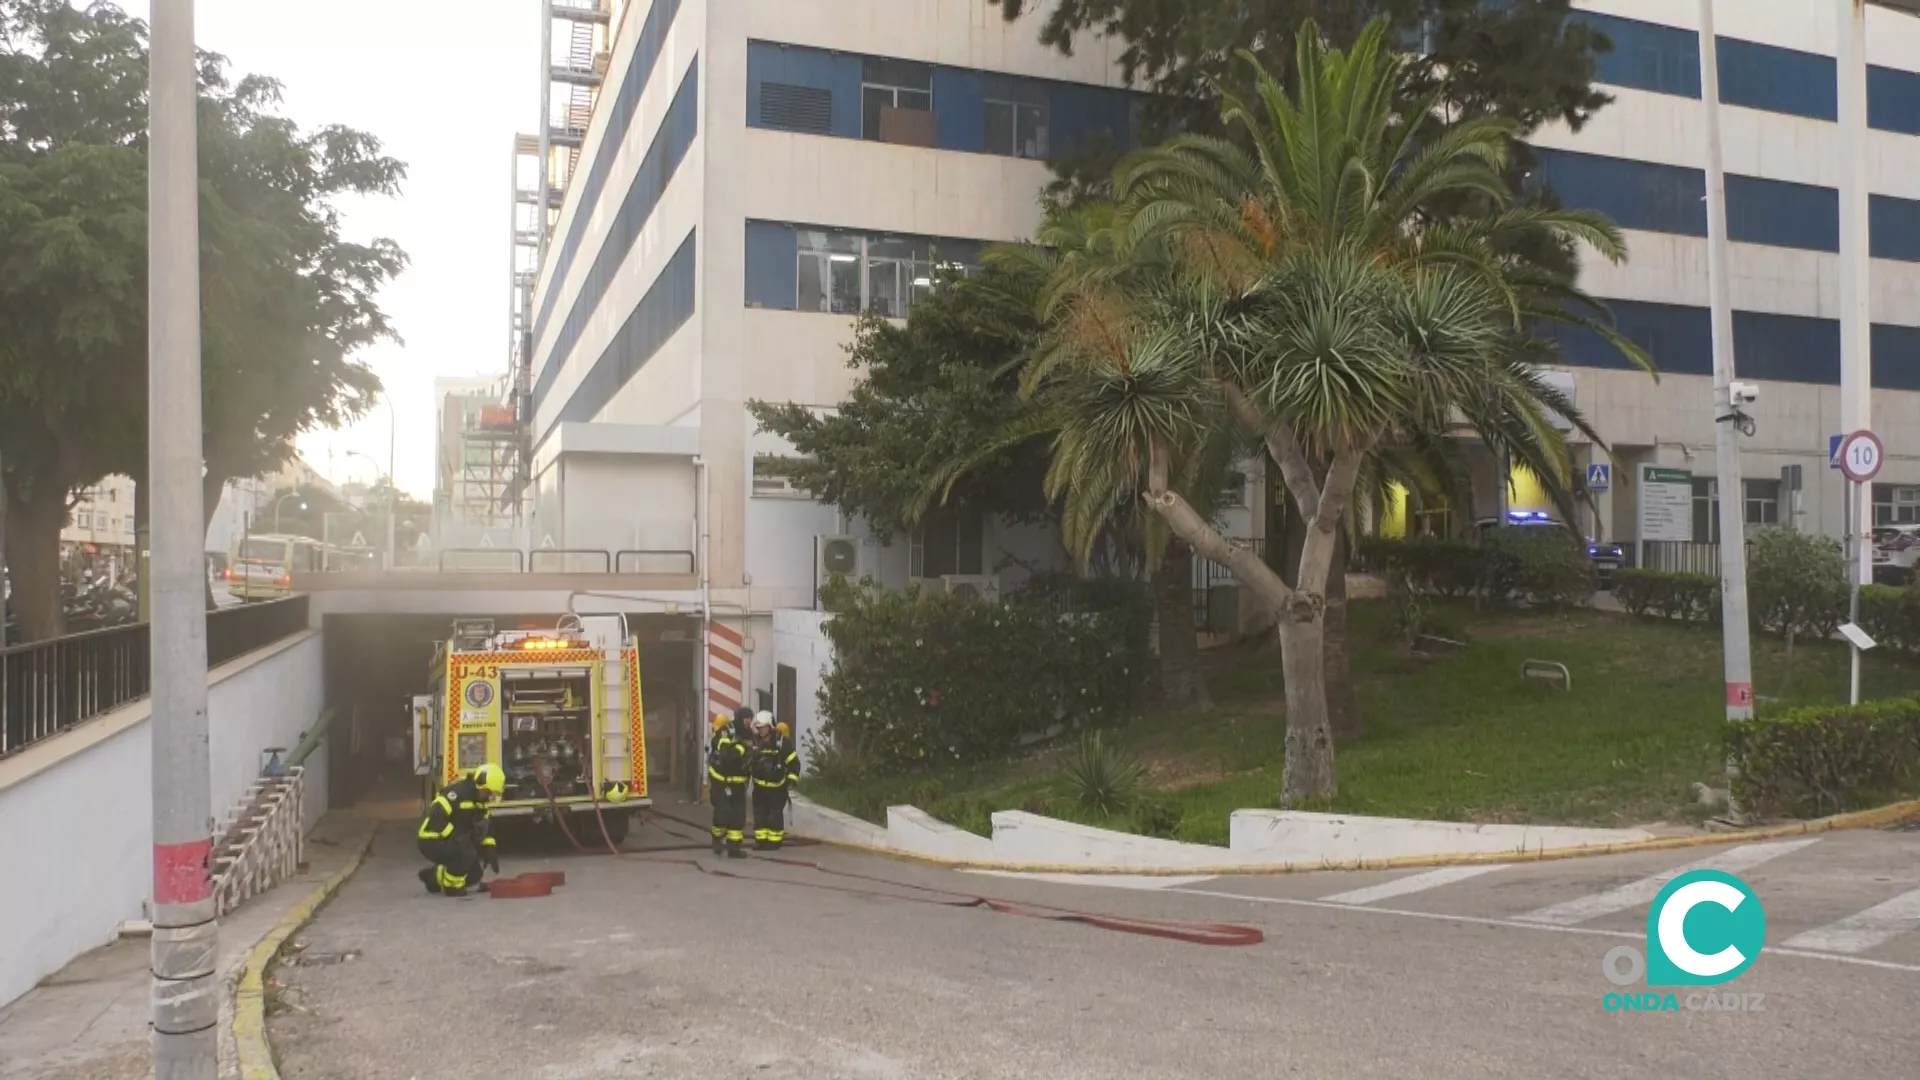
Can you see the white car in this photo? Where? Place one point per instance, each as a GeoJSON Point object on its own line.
{"type": "Point", "coordinates": [1895, 547]}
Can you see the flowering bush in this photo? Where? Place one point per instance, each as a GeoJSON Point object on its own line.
{"type": "Point", "coordinates": [923, 678]}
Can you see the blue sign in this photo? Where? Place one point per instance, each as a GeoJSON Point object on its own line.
{"type": "Point", "coordinates": [1599, 477]}
{"type": "Point", "coordinates": [1833, 451]}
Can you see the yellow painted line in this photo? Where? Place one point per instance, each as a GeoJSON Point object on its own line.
{"type": "Point", "coordinates": [1860, 819]}
{"type": "Point", "coordinates": [250, 995]}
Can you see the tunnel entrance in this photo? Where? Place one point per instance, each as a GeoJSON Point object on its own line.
{"type": "Point", "coordinates": [375, 664]}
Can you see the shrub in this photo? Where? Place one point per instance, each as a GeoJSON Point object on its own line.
{"type": "Point", "coordinates": [924, 678]}
{"type": "Point", "coordinates": [1797, 584]}
{"type": "Point", "coordinates": [1544, 567]}
{"type": "Point", "coordinates": [1157, 817]}
{"type": "Point", "coordinates": [1104, 778]}
{"type": "Point", "coordinates": [1448, 567]}
{"type": "Point", "coordinates": [1667, 595]}
{"type": "Point", "coordinates": [1809, 760]}
{"type": "Point", "coordinates": [1891, 616]}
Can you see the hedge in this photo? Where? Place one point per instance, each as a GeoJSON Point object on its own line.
{"type": "Point", "coordinates": [1816, 759]}
{"type": "Point", "coordinates": [1543, 567]}
{"type": "Point", "coordinates": [1668, 595]}
{"type": "Point", "coordinates": [923, 678]}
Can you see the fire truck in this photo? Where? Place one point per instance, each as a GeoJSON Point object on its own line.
{"type": "Point", "coordinates": [557, 709]}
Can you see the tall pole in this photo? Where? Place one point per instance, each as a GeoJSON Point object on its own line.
{"type": "Point", "coordinates": [1738, 660]}
{"type": "Point", "coordinates": [185, 937]}
{"type": "Point", "coordinates": [1855, 349]}
{"type": "Point", "coordinates": [393, 486]}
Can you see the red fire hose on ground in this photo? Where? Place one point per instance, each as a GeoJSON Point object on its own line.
{"type": "Point", "coordinates": [1192, 933]}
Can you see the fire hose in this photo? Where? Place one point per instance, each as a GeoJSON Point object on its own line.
{"type": "Point", "coordinates": [1191, 933]}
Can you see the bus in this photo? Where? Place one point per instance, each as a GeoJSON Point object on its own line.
{"type": "Point", "coordinates": [262, 567]}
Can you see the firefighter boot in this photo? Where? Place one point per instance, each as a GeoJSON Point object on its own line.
{"type": "Point", "coordinates": [427, 878]}
{"type": "Point", "coordinates": [733, 849]}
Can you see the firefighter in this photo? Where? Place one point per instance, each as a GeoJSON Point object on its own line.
{"type": "Point", "coordinates": [775, 769]}
{"type": "Point", "coordinates": [456, 837]}
{"type": "Point", "coordinates": [727, 787]}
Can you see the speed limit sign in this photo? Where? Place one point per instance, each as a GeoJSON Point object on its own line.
{"type": "Point", "coordinates": [1861, 455]}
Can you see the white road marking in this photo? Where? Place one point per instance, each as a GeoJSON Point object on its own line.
{"type": "Point", "coordinates": [1635, 893]}
{"type": "Point", "coordinates": [1110, 881]}
{"type": "Point", "coordinates": [1862, 931]}
{"type": "Point", "coordinates": [1432, 879]}
{"type": "Point", "coordinates": [1859, 961]}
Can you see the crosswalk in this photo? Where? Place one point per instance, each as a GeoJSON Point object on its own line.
{"type": "Point", "coordinates": [1835, 896]}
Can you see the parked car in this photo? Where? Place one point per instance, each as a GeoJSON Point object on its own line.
{"type": "Point", "coordinates": [1895, 547]}
{"type": "Point", "coordinates": [1607, 558]}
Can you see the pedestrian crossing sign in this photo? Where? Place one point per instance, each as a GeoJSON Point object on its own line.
{"type": "Point", "coordinates": [1599, 477]}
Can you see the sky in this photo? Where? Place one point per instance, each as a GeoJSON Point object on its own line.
{"type": "Point", "coordinates": [444, 86]}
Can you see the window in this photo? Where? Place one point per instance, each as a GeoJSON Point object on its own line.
{"type": "Point", "coordinates": [1015, 128]}
{"type": "Point", "coordinates": [898, 272]}
{"type": "Point", "coordinates": [1635, 194]}
{"type": "Point", "coordinates": [1790, 348]}
{"type": "Point", "coordinates": [1778, 80]}
{"type": "Point", "coordinates": [796, 108]}
{"type": "Point", "coordinates": [1647, 56]}
{"type": "Point", "coordinates": [949, 542]}
{"type": "Point", "coordinates": [85, 520]}
{"type": "Point", "coordinates": [1893, 100]}
{"type": "Point", "coordinates": [1763, 502]}
{"type": "Point", "coordinates": [1896, 505]}
{"type": "Point", "coordinates": [1782, 214]}
{"type": "Point", "coordinates": [828, 272]}
{"type": "Point", "coordinates": [770, 479]}
{"type": "Point", "coordinates": [1893, 228]}
{"type": "Point", "coordinates": [1706, 510]}
{"type": "Point", "coordinates": [129, 528]}
{"type": "Point", "coordinates": [896, 101]}
{"type": "Point", "coordinates": [666, 307]}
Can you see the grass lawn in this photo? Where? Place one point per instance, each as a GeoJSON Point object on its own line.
{"type": "Point", "coordinates": [1460, 738]}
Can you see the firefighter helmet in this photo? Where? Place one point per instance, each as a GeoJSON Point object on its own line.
{"type": "Point", "coordinates": [720, 720]}
{"type": "Point", "coordinates": [762, 720]}
{"type": "Point", "coordinates": [785, 731]}
{"type": "Point", "coordinates": [617, 792]}
{"type": "Point", "coordinates": [490, 779]}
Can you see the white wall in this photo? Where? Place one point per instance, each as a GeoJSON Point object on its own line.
{"type": "Point", "coordinates": [78, 846]}
{"type": "Point", "coordinates": [628, 502]}
{"type": "Point", "coordinates": [800, 642]}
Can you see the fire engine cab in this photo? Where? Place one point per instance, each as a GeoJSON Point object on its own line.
{"type": "Point", "coordinates": [557, 709]}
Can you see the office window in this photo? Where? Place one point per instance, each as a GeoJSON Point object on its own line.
{"type": "Point", "coordinates": [1635, 194]}
{"type": "Point", "coordinates": [1893, 229]}
{"type": "Point", "coordinates": [85, 520]}
{"type": "Point", "coordinates": [1789, 348]}
{"type": "Point", "coordinates": [1896, 505]}
{"type": "Point", "coordinates": [678, 128]}
{"type": "Point", "coordinates": [1893, 100]}
{"type": "Point", "coordinates": [1646, 56]}
{"type": "Point", "coordinates": [949, 542]}
{"type": "Point", "coordinates": [1895, 356]}
{"type": "Point", "coordinates": [1778, 80]}
{"type": "Point", "coordinates": [1763, 502]}
{"type": "Point", "coordinates": [1014, 117]}
{"type": "Point", "coordinates": [1706, 510]}
{"type": "Point", "coordinates": [665, 308]}
{"type": "Point", "coordinates": [828, 272]}
{"type": "Point", "coordinates": [896, 101]}
{"type": "Point", "coordinates": [898, 270]}
{"type": "Point", "coordinates": [1782, 214]}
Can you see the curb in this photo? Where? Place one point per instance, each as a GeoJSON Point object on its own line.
{"type": "Point", "coordinates": [1859, 819]}
{"type": "Point", "coordinates": [250, 995]}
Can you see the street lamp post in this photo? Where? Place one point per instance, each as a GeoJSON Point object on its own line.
{"type": "Point", "coordinates": [185, 945]}
{"type": "Point", "coordinates": [276, 509]}
{"type": "Point", "coordinates": [392, 494]}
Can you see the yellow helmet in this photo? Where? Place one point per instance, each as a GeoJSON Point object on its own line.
{"type": "Point", "coordinates": [490, 779]}
{"type": "Point", "coordinates": [785, 731]}
{"type": "Point", "coordinates": [617, 792]}
{"type": "Point", "coordinates": [720, 720]}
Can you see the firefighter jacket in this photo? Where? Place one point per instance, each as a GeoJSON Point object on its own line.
{"type": "Point", "coordinates": [774, 764]}
{"type": "Point", "coordinates": [727, 760]}
{"type": "Point", "coordinates": [458, 811]}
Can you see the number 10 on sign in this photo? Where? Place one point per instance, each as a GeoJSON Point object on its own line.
{"type": "Point", "coordinates": [1860, 456]}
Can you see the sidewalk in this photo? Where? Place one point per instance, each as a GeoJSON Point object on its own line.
{"type": "Point", "coordinates": [89, 1021]}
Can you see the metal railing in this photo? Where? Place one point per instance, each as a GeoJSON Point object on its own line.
{"type": "Point", "coordinates": [513, 560]}
{"type": "Point", "coordinates": [571, 561]}
{"type": "Point", "coordinates": [47, 687]}
{"type": "Point", "coordinates": [1208, 575]}
{"type": "Point", "coordinates": [629, 562]}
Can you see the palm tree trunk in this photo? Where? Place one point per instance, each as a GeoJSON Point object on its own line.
{"type": "Point", "coordinates": [1308, 773]}
{"type": "Point", "coordinates": [1182, 684]}
{"type": "Point", "coordinates": [1343, 698]}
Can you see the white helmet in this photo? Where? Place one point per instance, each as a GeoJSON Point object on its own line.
{"type": "Point", "coordinates": [762, 720]}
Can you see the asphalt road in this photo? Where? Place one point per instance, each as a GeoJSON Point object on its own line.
{"type": "Point", "coordinates": [652, 969]}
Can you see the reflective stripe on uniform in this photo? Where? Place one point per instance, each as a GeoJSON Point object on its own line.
{"type": "Point", "coordinates": [427, 834]}
{"type": "Point", "coordinates": [488, 842]}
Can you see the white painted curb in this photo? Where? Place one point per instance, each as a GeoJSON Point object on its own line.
{"type": "Point", "coordinates": [1294, 836]}
{"type": "Point", "coordinates": [913, 830]}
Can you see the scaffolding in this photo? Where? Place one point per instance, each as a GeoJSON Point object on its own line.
{"type": "Point", "coordinates": [578, 44]}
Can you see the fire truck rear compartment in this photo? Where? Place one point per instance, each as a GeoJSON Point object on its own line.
{"type": "Point", "coordinates": [547, 732]}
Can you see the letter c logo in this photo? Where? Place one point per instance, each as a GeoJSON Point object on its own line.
{"type": "Point", "coordinates": [1725, 915]}
{"type": "Point", "coordinates": [1673, 934]}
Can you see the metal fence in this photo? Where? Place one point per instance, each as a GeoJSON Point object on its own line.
{"type": "Point", "coordinates": [1208, 575]}
{"type": "Point", "coordinates": [49, 686]}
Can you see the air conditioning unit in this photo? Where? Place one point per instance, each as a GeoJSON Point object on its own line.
{"type": "Point", "coordinates": [974, 586]}
{"type": "Point", "coordinates": [840, 556]}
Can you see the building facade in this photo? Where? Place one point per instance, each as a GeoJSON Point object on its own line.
{"type": "Point", "coordinates": [755, 173]}
{"type": "Point", "coordinates": [1641, 161]}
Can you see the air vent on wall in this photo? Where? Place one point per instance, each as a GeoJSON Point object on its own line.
{"type": "Point", "coordinates": [796, 108]}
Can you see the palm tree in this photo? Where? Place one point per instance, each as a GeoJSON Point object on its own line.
{"type": "Point", "coordinates": [1303, 296]}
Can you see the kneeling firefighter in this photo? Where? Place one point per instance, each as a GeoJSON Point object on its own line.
{"type": "Point", "coordinates": [727, 787]}
{"type": "Point", "coordinates": [775, 769]}
{"type": "Point", "coordinates": [456, 836]}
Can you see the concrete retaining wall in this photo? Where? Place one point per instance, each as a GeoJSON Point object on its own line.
{"type": "Point", "coordinates": [1292, 836]}
{"type": "Point", "coordinates": [77, 846]}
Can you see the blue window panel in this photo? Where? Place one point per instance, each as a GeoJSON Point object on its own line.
{"type": "Point", "coordinates": [1646, 56]}
{"type": "Point", "coordinates": [1896, 357]}
{"type": "Point", "coordinates": [1680, 339]}
{"type": "Point", "coordinates": [1778, 80]}
{"type": "Point", "coordinates": [1782, 214]}
{"type": "Point", "coordinates": [958, 98]}
{"type": "Point", "coordinates": [1893, 100]}
{"type": "Point", "coordinates": [772, 249]}
{"type": "Point", "coordinates": [1085, 118]}
{"type": "Point", "coordinates": [666, 307]}
{"type": "Point", "coordinates": [670, 144]}
{"type": "Point", "coordinates": [1893, 230]}
{"type": "Point", "coordinates": [1786, 348]}
{"type": "Point", "coordinates": [1635, 194]}
{"type": "Point", "coordinates": [646, 53]}
{"type": "Point", "coordinates": [797, 65]}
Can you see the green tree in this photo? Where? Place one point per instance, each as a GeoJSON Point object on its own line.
{"type": "Point", "coordinates": [286, 301]}
{"type": "Point", "coordinates": [1316, 302]}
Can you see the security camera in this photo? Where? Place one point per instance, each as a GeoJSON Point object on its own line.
{"type": "Point", "coordinates": [1743, 393]}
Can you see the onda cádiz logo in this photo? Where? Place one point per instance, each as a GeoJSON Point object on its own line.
{"type": "Point", "coordinates": [1706, 928]}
